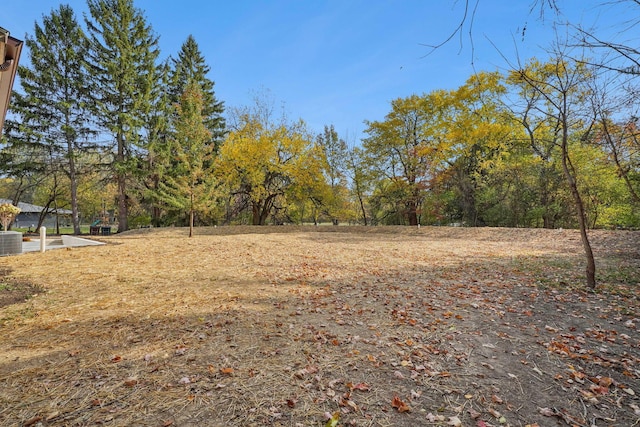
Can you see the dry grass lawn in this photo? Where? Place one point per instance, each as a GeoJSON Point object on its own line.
{"type": "Point", "coordinates": [285, 326]}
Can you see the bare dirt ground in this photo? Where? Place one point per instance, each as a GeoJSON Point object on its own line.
{"type": "Point", "coordinates": [286, 326]}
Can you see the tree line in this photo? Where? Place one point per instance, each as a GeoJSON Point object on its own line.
{"type": "Point", "coordinates": [99, 123]}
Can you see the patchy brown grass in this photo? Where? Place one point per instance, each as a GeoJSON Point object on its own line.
{"type": "Point", "coordinates": [14, 291]}
{"type": "Point", "coordinates": [254, 326]}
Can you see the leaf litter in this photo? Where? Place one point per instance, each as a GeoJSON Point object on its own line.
{"type": "Point", "coordinates": [255, 326]}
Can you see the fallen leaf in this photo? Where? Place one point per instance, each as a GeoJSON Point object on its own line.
{"type": "Point", "coordinates": [433, 418]}
{"type": "Point", "coordinates": [598, 389]}
{"type": "Point", "coordinates": [333, 383]}
{"type": "Point", "coordinates": [589, 396]}
{"type": "Point", "coordinates": [333, 421]}
{"type": "Point", "coordinates": [349, 403]}
{"type": "Point", "coordinates": [487, 365]}
{"type": "Point", "coordinates": [131, 381]}
{"type": "Point", "coordinates": [398, 375]}
{"type": "Point", "coordinates": [273, 411]}
{"type": "Point", "coordinates": [495, 413]}
{"type": "Point", "coordinates": [53, 415]}
{"type": "Point", "coordinates": [474, 414]}
{"type": "Point", "coordinates": [400, 405]}
{"type": "Point", "coordinates": [359, 386]}
{"type": "Point", "coordinates": [226, 371]}
{"type": "Point", "coordinates": [547, 412]}
{"type": "Point", "coordinates": [605, 382]}
{"type": "Point", "coordinates": [454, 421]}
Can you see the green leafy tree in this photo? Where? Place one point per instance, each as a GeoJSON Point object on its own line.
{"type": "Point", "coordinates": [123, 53]}
{"type": "Point", "coordinates": [561, 85]}
{"type": "Point", "coordinates": [23, 159]}
{"type": "Point", "coordinates": [617, 131]}
{"type": "Point", "coordinates": [335, 155]}
{"type": "Point", "coordinates": [191, 185]}
{"type": "Point", "coordinates": [507, 192]}
{"type": "Point", "coordinates": [53, 106]}
{"type": "Point", "coordinates": [359, 174]}
{"type": "Point", "coordinates": [399, 150]}
{"type": "Point", "coordinates": [471, 130]}
{"type": "Point", "coordinates": [542, 136]}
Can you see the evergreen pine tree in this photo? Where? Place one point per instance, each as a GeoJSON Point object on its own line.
{"type": "Point", "coordinates": [123, 54]}
{"type": "Point", "coordinates": [191, 186]}
{"type": "Point", "coordinates": [191, 66]}
{"type": "Point", "coordinates": [158, 134]}
{"type": "Point", "coordinates": [52, 109]}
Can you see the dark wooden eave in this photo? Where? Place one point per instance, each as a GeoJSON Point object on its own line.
{"type": "Point", "coordinates": [10, 49]}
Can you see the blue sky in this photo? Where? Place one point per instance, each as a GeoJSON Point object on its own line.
{"type": "Point", "coordinates": [338, 62]}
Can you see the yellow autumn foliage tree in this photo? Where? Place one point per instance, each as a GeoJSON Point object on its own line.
{"type": "Point", "coordinates": [267, 166]}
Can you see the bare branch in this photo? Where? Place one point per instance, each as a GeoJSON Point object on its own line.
{"type": "Point", "coordinates": [457, 30]}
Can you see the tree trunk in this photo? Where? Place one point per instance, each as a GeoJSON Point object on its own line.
{"type": "Point", "coordinates": [75, 217]}
{"type": "Point", "coordinates": [266, 209]}
{"type": "Point", "coordinates": [191, 215]}
{"type": "Point", "coordinates": [123, 213]}
{"type": "Point", "coordinates": [122, 203]}
{"type": "Point", "coordinates": [569, 173]}
{"type": "Point", "coordinates": [362, 208]}
{"type": "Point", "coordinates": [73, 179]}
{"type": "Point", "coordinates": [261, 209]}
{"type": "Point", "coordinates": [412, 213]}
{"type": "Point", "coordinates": [156, 211]}
{"type": "Point", "coordinates": [255, 211]}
